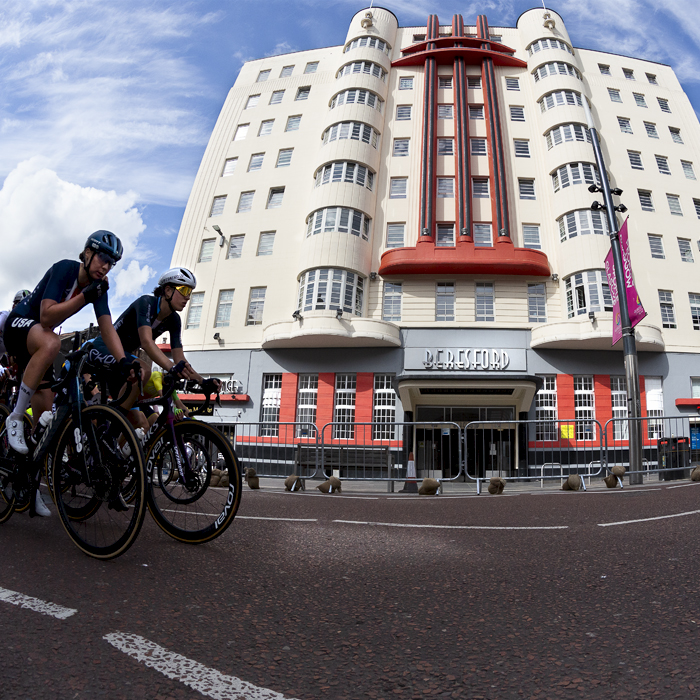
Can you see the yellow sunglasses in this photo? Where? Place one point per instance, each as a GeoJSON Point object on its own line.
{"type": "Point", "coordinates": [185, 291]}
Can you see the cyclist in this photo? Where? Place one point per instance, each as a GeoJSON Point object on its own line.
{"type": "Point", "coordinates": [29, 336]}
{"type": "Point", "coordinates": [144, 320]}
{"type": "Point", "coordinates": [22, 294]}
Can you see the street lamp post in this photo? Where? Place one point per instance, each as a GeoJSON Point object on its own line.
{"type": "Point", "coordinates": [629, 346]}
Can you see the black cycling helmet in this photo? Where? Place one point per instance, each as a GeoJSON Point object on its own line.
{"type": "Point", "coordinates": [105, 242]}
{"type": "Point", "coordinates": [22, 294]}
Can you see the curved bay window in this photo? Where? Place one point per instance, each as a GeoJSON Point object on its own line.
{"type": "Point", "coordinates": [345, 171]}
{"type": "Point", "coordinates": [367, 42]}
{"type": "Point", "coordinates": [560, 98]}
{"type": "Point", "coordinates": [582, 222]}
{"type": "Point", "coordinates": [331, 289]}
{"type": "Point", "coordinates": [587, 291]}
{"type": "Point", "coordinates": [341, 219]}
{"type": "Point", "coordinates": [359, 67]}
{"type": "Point", "coordinates": [356, 131]}
{"type": "Point", "coordinates": [356, 96]}
{"type": "Point", "coordinates": [567, 132]}
{"type": "Point", "coordinates": [555, 68]}
{"type": "Point", "coordinates": [575, 174]}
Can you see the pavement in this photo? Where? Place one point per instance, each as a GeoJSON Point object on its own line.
{"type": "Point", "coordinates": [537, 593]}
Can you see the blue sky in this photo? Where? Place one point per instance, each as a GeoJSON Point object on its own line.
{"type": "Point", "coordinates": [106, 107]}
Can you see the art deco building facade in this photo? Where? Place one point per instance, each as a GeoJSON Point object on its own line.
{"type": "Point", "coordinates": [410, 211]}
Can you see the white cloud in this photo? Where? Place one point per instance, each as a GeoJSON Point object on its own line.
{"type": "Point", "coordinates": [130, 281]}
{"type": "Point", "coordinates": [44, 219]}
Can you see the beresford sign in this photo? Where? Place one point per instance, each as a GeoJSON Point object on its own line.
{"type": "Point", "coordinates": [466, 359]}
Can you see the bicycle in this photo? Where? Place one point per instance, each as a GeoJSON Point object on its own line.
{"type": "Point", "coordinates": [89, 453]}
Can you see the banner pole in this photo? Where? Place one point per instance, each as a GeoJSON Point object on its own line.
{"type": "Point", "coordinates": [629, 345]}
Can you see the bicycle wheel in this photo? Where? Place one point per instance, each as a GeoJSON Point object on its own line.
{"type": "Point", "coordinates": [23, 489]}
{"type": "Point", "coordinates": [88, 470]}
{"type": "Point", "coordinates": [8, 496]}
{"type": "Point", "coordinates": [192, 511]}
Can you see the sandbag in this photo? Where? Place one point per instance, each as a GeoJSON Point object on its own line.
{"type": "Point", "coordinates": [695, 474]}
{"type": "Point", "coordinates": [610, 481]}
{"type": "Point", "coordinates": [496, 485]}
{"type": "Point", "coordinates": [618, 470]}
{"type": "Point", "coordinates": [290, 483]}
{"type": "Point", "coordinates": [429, 487]}
{"type": "Point", "coordinates": [574, 482]}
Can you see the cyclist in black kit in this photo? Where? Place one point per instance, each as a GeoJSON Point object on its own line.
{"type": "Point", "coordinates": [143, 321]}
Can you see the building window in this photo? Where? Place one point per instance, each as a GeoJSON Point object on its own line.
{"type": "Point", "coordinates": [618, 394]}
{"type": "Point", "coordinates": [366, 67]}
{"type": "Point", "coordinates": [651, 78]}
{"type": "Point", "coordinates": [560, 98]}
{"type": "Point", "coordinates": [405, 83]}
{"type": "Point", "coordinates": [575, 174]}
{"type": "Point", "coordinates": [639, 99]}
{"type": "Point", "coordinates": [400, 147]}
{"type": "Point", "coordinates": [293, 123]}
{"type": "Point", "coordinates": [394, 235]}
{"type": "Point", "coordinates": [604, 70]}
{"type": "Point", "coordinates": [445, 147]}
{"type": "Point", "coordinates": [526, 188]}
{"type": "Point", "coordinates": [480, 187]}
{"type": "Point", "coordinates": [217, 206]}
{"type": "Point", "coordinates": [445, 188]}
{"type": "Point", "coordinates": [628, 73]}
{"type": "Point", "coordinates": [582, 222]}
{"type": "Point", "coordinates": [674, 204]}
{"type": "Point", "coordinates": [625, 126]}
{"type": "Point", "coordinates": [194, 313]}
{"type": "Point", "coordinates": [266, 127]}
{"type": "Point", "coordinates": [274, 199]}
{"type": "Point", "coordinates": [695, 313]}
{"type": "Point", "coordinates": [444, 82]}
{"type": "Point", "coordinates": [445, 301]}
{"type": "Point", "coordinates": [662, 164]}
{"type": "Point", "coordinates": [357, 131]}
{"type": "Point", "coordinates": [403, 113]}
{"type": "Point", "coordinates": [587, 291]}
{"type": "Point", "coordinates": [655, 406]}
{"type": "Point", "coordinates": [266, 242]}
{"type": "Point", "coordinates": [398, 187]}
{"type": "Point", "coordinates": [656, 245]}
{"type": "Point", "coordinates": [340, 219]}
{"type": "Point", "coordinates": [445, 235]}
{"type": "Point", "coordinates": [664, 105]}
{"type": "Point", "coordinates": [391, 305]}
{"type": "Point", "coordinates": [482, 236]}
{"type": "Point", "coordinates": [284, 157]}
{"type": "Point", "coordinates": [645, 200]}
{"type": "Point", "coordinates": [276, 97]}
{"type": "Point", "coordinates": [303, 93]}
{"type": "Point", "coordinates": [635, 160]}
{"type": "Point", "coordinates": [478, 147]}
{"type": "Point", "coordinates": [256, 161]}
{"type": "Point", "coordinates": [384, 409]}
{"type": "Point", "coordinates": [513, 84]}
{"type": "Point", "coordinates": [476, 112]}
{"type": "Point", "coordinates": [566, 133]}
{"type": "Point", "coordinates": [445, 112]}
{"type": "Point", "coordinates": [206, 252]}
{"type": "Point", "coordinates": [229, 166]}
{"type": "Point", "coordinates": [531, 236]}
{"type": "Point", "coordinates": [223, 309]}
{"type": "Point", "coordinates": [270, 410]}
{"type": "Point", "coordinates": [484, 301]}
{"type": "Point", "coordinates": [558, 68]}
{"type": "Point", "coordinates": [263, 75]}
{"type": "Point", "coordinates": [307, 398]}
{"type": "Point", "coordinates": [330, 289]}
{"type": "Point", "coordinates": [474, 82]}
{"type": "Point", "coordinates": [650, 128]}
{"type": "Point", "coordinates": [311, 67]}
{"type": "Point", "coordinates": [584, 407]}
{"type": "Point", "coordinates": [668, 315]}
{"type": "Point", "coordinates": [614, 95]}
{"type": "Point", "coordinates": [517, 114]}
{"type": "Point", "coordinates": [252, 102]}
{"type": "Point", "coordinates": [344, 408]}
{"type": "Point", "coordinates": [345, 171]}
{"type": "Point", "coordinates": [245, 203]}
{"type": "Point", "coordinates": [675, 134]}
{"type": "Point", "coordinates": [522, 148]}
{"type": "Point", "coordinates": [235, 247]}
{"type": "Point", "coordinates": [536, 303]}
{"type": "Point", "coordinates": [688, 169]}
{"type": "Point", "coordinates": [685, 250]}
{"type": "Point", "coordinates": [368, 42]}
{"type": "Point", "coordinates": [357, 96]}
{"type": "Point", "coordinates": [255, 306]}
{"type": "Point", "coordinates": [546, 410]}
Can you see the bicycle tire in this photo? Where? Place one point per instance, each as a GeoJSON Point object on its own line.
{"type": "Point", "coordinates": [8, 497]}
{"type": "Point", "coordinates": [192, 515]}
{"type": "Point", "coordinates": [22, 500]}
{"type": "Point", "coordinates": [87, 488]}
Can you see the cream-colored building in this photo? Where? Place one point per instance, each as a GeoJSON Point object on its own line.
{"type": "Point", "coordinates": [411, 210]}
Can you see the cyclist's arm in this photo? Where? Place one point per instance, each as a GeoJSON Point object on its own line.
{"type": "Point", "coordinates": [189, 372]}
{"type": "Point", "coordinates": [53, 313]}
{"type": "Point", "coordinates": [110, 337]}
{"type": "Point", "coordinates": [152, 350]}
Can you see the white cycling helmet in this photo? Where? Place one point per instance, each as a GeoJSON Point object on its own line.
{"type": "Point", "coordinates": [176, 276]}
{"type": "Point", "coordinates": [22, 294]}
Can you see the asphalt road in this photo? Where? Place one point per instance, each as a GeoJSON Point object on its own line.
{"type": "Point", "coordinates": [319, 608]}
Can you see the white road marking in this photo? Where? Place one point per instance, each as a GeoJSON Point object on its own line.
{"type": "Point", "coordinates": [646, 520]}
{"type": "Point", "coordinates": [682, 486]}
{"type": "Point", "coordinates": [204, 680]}
{"type": "Point", "coordinates": [456, 527]}
{"type": "Point", "coordinates": [35, 604]}
{"type": "Point", "coordinates": [291, 520]}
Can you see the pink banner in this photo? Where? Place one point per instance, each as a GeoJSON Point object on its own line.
{"type": "Point", "coordinates": [634, 305]}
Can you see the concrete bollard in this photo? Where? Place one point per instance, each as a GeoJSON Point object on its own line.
{"type": "Point", "coordinates": [252, 478]}
{"type": "Point", "coordinates": [293, 483]}
{"type": "Point", "coordinates": [429, 487]}
{"type": "Point", "coordinates": [496, 485]}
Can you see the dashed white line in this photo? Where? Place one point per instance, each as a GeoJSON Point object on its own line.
{"type": "Point", "coordinates": [291, 520]}
{"type": "Point", "coordinates": [455, 527]}
{"type": "Point", "coordinates": [646, 520]}
{"type": "Point", "coordinates": [203, 679]}
{"type": "Point", "coordinates": [35, 604]}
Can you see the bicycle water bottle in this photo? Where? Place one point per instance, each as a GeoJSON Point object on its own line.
{"type": "Point", "coordinates": [41, 427]}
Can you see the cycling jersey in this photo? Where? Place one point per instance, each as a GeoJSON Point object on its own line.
{"type": "Point", "coordinates": [3, 318]}
{"type": "Point", "coordinates": [143, 312]}
{"type": "Point", "coordinates": [58, 284]}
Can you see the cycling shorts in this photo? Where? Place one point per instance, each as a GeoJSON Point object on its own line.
{"type": "Point", "coordinates": [15, 334]}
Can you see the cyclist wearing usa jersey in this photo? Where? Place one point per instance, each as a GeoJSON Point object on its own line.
{"type": "Point", "coordinates": [29, 336]}
{"type": "Point", "coordinates": [4, 360]}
